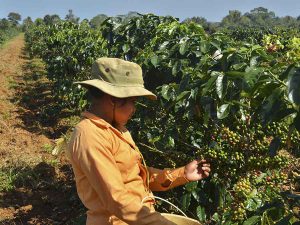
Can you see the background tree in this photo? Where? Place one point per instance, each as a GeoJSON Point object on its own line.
{"type": "Point", "coordinates": [261, 17]}
{"type": "Point", "coordinates": [39, 21]}
{"type": "Point", "coordinates": [14, 18]}
{"type": "Point", "coordinates": [199, 20]}
{"type": "Point", "coordinates": [4, 24]}
{"type": "Point", "coordinates": [130, 15]}
{"type": "Point", "coordinates": [289, 21]}
{"type": "Point", "coordinates": [232, 19]}
{"type": "Point", "coordinates": [71, 17]}
{"type": "Point", "coordinates": [97, 20]}
{"type": "Point", "coordinates": [27, 23]}
{"type": "Point", "coordinates": [245, 21]}
{"type": "Point", "coordinates": [51, 19]}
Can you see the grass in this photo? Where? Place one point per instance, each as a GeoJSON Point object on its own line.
{"type": "Point", "coordinates": [6, 116]}
{"type": "Point", "coordinates": [12, 84]}
{"type": "Point", "coordinates": [48, 148]}
{"type": "Point", "coordinates": [7, 178]}
{"type": "Point", "coordinates": [12, 177]}
{"type": "Point", "coordinates": [53, 162]}
{"type": "Point", "coordinates": [29, 175]}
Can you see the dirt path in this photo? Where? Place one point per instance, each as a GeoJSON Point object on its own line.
{"type": "Point", "coordinates": [16, 143]}
{"type": "Point", "coordinates": [33, 184]}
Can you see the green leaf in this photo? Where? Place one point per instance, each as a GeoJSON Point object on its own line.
{"type": "Point", "coordinates": [285, 220]}
{"type": "Point", "coordinates": [191, 186]}
{"type": "Point", "coordinates": [219, 86]}
{"type": "Point", "coordinates": [201, 213]}
{"type": "Point", "coordinates": [252, 220]}
{"type": "Point", "coordinates": [235, 74]}
{"type": "Point", "coordinates": [275, 213]}
{"type": "Point", "coordinates": [209, 107]}
{"type": "Point", "coordinates": [223, 111]}
{"type": "Point", "coordinates": [251, 205]}
{"type": "Point", "coordinates": [182, 95]}
{"type": "Point", "coordinates": [251, 75]}
{"type": "Point", "coordinates": [186, 201]}
{"type": "Point", "coordinates": [183, 47]}
{"type": "Point", "coordinates": [204, 46]}
{"type": "Point", "coordinates": [253, 61]}
{"type": "Point", "coordinates": [274, 146]}
{"type": "Point", "coordinates": [285, 74]}
{"type": "Point", "coordinates": [297, 121]}
{"type": "Point", "coordinates": [154, 60]}
{"type": "Point", "coordinates": [294, 86]}
{"type": "Point", "coordinates": [165, 92]}
{"type": "Point", "coordinates": [125, 48]}
{"type": "Point", "coordinates": [171, 142]}
{"type": "Point", "coordinates": [272, 105]}
{"type": "Point", "coordinates": [294, 221]}
{"type": "Point", "coordinates": [163, 46]}
{"type": "Point", "coordinates": [184, 83]}
{"type": "Point", "coordinates": [293, 196]}
{"type": "Point", "coordinates": [210, 83]}
{"type": "Point", "coordinates": [239, 66]}
{"type": "Point", "coordinates": [176, 68]}
{"type": "Point", "coordinates": [216, 217]}
{"type": "Point", "coordinates": [196, 195]}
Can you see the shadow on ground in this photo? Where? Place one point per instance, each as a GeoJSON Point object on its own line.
{"type": "Point", "coordinates": [37, 108]}
{"type": "Point", "coordinates": [43, 194]}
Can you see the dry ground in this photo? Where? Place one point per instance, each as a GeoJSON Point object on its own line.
{"type": "Point", "coordinates": [35, 187]}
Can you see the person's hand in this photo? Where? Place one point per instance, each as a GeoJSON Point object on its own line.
{"type": "Point", "coordinates": [197, 170]}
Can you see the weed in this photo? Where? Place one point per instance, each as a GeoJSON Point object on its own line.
{"type": "Point", "coordinates": [6, 116]}
{"type": "Point", "coordinates": [53, 162]}
{"type": "Point", "coordinates": [12, 84]}
{"type": "Point", "coordinates": [47, 148]}
{"type": "Point", "coordinates": [7, 178]}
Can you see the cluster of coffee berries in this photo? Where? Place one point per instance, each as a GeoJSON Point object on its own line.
{"type": "Point", "coordinates": [230, 137]}
{"type": "Point", "coordinates": [243, 187]}
{"type": "Point", "coordinates": [239, 212]}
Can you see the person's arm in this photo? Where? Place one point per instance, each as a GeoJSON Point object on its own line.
{"type": "Point", "coordinates": [97, 162]}
{"type": "Point", "coordinates": [162, 180]}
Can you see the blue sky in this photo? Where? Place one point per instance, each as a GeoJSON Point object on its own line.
{"type": "Point", "coordinates": [212, 10]}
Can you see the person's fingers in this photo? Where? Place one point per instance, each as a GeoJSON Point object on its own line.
{"type": "Point", "coordinates": [193, 165]}
{"type": "Point", "coordinates": [201, 161]}
{"type": "Point", "coordinates": [204, 168]}
{"type": "Point", "coordinates": [206, 164]}
{"type": "Point", "coordinates": [206, 174]}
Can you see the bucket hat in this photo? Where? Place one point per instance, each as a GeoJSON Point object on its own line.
{"type": "Point", "coordinates": [118, 78]}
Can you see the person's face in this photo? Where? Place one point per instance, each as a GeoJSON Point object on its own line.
{"type": "Point", "coordinates": [124, 110]}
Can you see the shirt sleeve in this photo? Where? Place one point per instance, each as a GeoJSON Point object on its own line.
{"type": "Point", "coordinates": [97, 162]}
{"type": "Point", "coordinates": [162, 180]}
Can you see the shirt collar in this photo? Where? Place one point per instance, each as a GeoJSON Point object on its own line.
{"type": "Point", "coordinates": [96, 120]}
{"type": "Point", "coordinates": [122, 132]}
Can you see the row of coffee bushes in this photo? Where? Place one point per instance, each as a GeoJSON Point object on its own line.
{"type": "Point", "coordinates": [235, 103]}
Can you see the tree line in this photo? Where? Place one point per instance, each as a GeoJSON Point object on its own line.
{"type": "Point", "coordinates": [259, 17]}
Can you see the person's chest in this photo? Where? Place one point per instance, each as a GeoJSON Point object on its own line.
{"type": "Point", "coordinates": [126, 157]}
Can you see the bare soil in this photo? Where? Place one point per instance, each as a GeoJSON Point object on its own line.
{"type": "Point", "coordinates": [42, 189]}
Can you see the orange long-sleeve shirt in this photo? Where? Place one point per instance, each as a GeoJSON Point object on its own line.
{"type": "Point", "coordinates": [110, 178]}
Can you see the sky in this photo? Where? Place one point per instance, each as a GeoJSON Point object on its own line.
{"type": "Point", "coordinates": [212, 10]}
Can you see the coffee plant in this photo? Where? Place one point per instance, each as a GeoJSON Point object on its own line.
{"type": "Point", "coordinates": [231, 101]}
{"type": "Point", "coordinates": [68, 51]}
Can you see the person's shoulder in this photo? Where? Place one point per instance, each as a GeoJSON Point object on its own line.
{"type": "Point", "coordinates": [86, 125]}
{"type": "Point", "coordinates": [88, 129]}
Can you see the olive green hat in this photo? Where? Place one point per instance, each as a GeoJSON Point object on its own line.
{"type": "Point", "coordinates": [118, 78]}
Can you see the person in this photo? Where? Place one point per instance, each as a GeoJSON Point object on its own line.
{"type": "Point", "coordinates": [111, 179]}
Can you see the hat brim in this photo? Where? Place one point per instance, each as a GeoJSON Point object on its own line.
{"type": "Point", "coordinates": [117, 90]}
